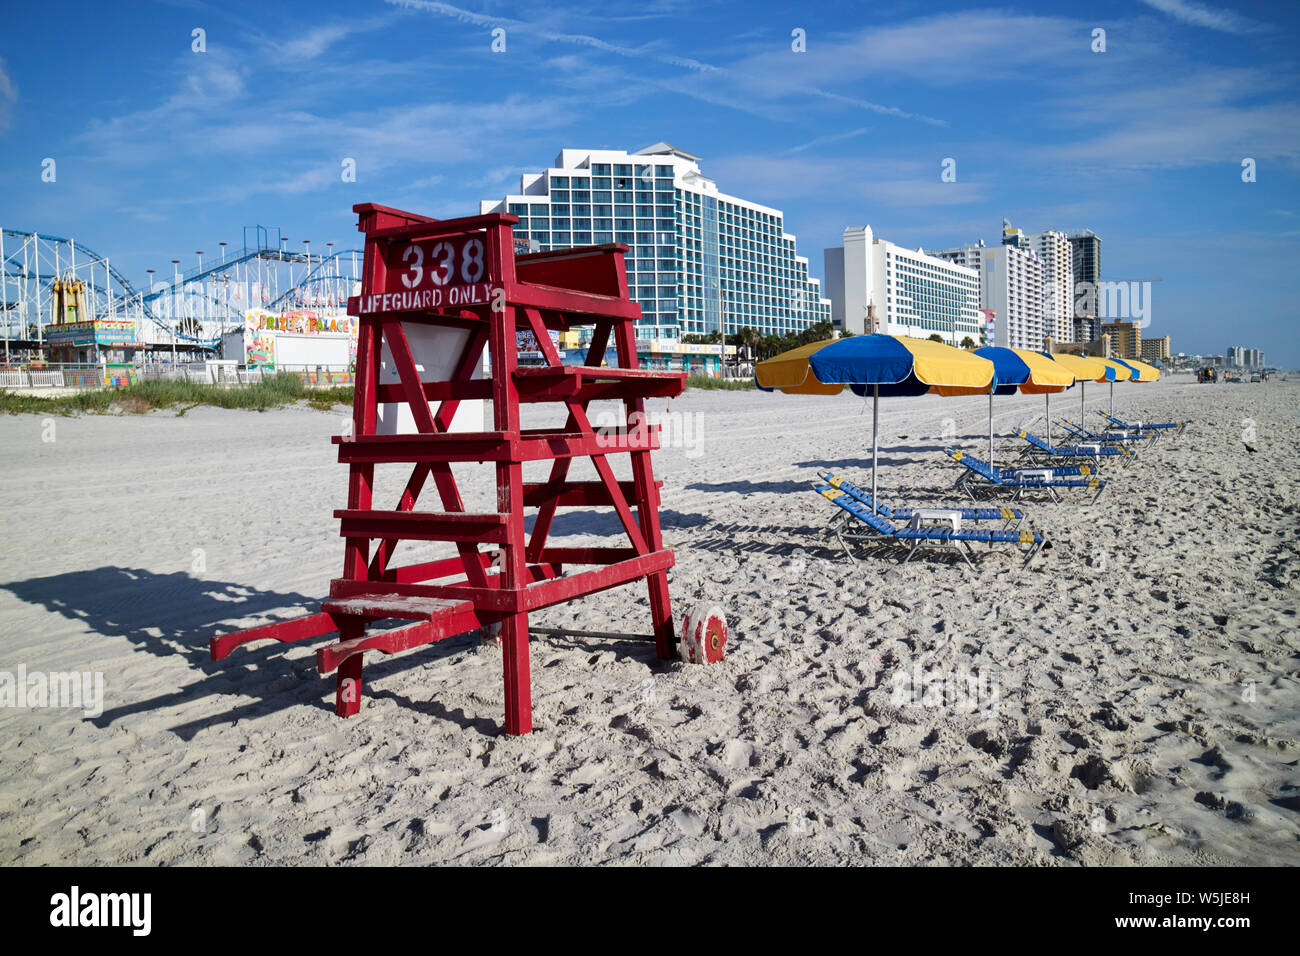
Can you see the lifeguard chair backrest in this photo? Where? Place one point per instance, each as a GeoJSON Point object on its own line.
{"type": "Point", "coordinates": [596, 269]}
{"type": "Point", "coordinates": [418, 266]}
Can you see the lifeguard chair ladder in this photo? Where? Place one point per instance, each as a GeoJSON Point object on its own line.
{"type": "Point", "coordinates": [463, 274]}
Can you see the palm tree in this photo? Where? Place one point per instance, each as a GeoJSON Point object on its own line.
{"type": "Point", "coordinates": [189, 326]}
{"type": "Point", "coordinates": [968, 343]}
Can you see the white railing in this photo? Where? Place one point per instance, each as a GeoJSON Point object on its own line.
{"type": "Point", "coordinates": [162, 373]}
{"type": "Point", "coordinates": [98, 376]}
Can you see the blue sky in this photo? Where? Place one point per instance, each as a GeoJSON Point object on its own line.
{"type": "Point", "coordinates": [162, 150]}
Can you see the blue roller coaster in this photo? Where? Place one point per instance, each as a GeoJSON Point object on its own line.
{"type": "Point", "coordinates": [191, 309]}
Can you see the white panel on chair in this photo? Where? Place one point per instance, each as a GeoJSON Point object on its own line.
{"type": "Point", "coordinates": [437, 350]}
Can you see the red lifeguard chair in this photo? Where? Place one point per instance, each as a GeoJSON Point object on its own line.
{"type": "Point", "coordinates": [462, 276]}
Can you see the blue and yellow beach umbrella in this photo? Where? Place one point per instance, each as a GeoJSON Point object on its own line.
{"type": "Point", "coordinates": [1090, 368]}
{"type": "Point", "coordinates": [876, 365]}
{"type": "Point", "coordinates": [1030, 373]}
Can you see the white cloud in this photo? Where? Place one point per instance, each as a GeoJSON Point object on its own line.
{"type": "Point", "coordinates": [8, 95]}
{"type": "Point", "coordinates": [1217, 115]}
{"type": "Point", "coordinates": [845, 180]}
{"type": "Point", "coordinates": [316, 41]}
{"type": "Point", "coordinates": [744, 82]}
{"type": "Point", "coordinates": [1202, 16]}
{"type": "Point", "coordinates": [830, 138]}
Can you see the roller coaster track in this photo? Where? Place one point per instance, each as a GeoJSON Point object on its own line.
{"type": "Point", "coordinates": [13, 269]}
{"type": "Point", "coordinates": [189, 284]}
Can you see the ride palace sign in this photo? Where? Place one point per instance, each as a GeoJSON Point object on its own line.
{"type": "Point", "coordinates": [433, 274]}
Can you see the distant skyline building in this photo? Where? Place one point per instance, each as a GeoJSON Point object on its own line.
{"type": "Point", "coordinates": [1085, 259]}
{"type": "Point", "coordinates": [1011, 285]}
{"type": "Point", "coordinates": [1012, 236]}
{"type": "Point", "coordinates": [907, 291]}
{"type": "Point", "coordinates": [1125, 339]}
{"type": "Point", "coordinates": [1239, 356]}
{"type": "Point", "coordinates": [1056, 253]}
{"type": "Point", "coordinates": [1156, 349]}
{"type": "Point", "coordinates": [699, 260]}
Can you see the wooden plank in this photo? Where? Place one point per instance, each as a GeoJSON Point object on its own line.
{"type": "Point", "coordinates": [571, 302]}
{"type": "Point", "coordinates": [423, 525]}
{"type": "Point", "coordinates": [541, 446]}
{"type": "Point", "coordinates": [479, 388]}
{"type": "Point", "coordinates": [435, 228]}
{"type": "Point", "coordinates": [588, 372]}
{"type": "Point", "coordinates": [431, 570]}
{"type": "Point", "coordinates": [572, 494]}
{"type": "Point", "coordinates": [587, 555]}
{"type": "Point", "coordinates": [286, 632]}
{"type": "Point", "coordinates": [461, 621]}
{"type": "Point", "coordinates": [402, 606]}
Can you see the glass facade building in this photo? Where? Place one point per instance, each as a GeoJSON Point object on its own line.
{"type": "Point", "coordinates": [1085, 251]}
{"type": "Point", "coordinates": [699, 261]}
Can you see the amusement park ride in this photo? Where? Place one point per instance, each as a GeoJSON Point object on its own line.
{"type": "Point", "coordinates": [48, 281]}
{"type": "Point", "coordinates": [441, 293]}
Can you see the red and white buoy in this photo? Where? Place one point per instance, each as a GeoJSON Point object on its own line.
{"type": "Point", "coordinates": [704, 634]}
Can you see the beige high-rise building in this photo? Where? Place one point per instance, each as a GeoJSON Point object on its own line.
{"type": "Point", "coordinates": [1156, 349]}
{"type": "Point", "coordinates": [1011, 285]}
{"type": "Point", "coordinates": [1125, 339]}
{"type": "Point", "coordinates": [1056, 253]}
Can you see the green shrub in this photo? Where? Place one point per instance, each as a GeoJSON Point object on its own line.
{"type": "Point", "coordinates": [273, 392]}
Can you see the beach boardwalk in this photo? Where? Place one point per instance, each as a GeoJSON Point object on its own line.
{"type": "Point", "coordinates": [434, 296]}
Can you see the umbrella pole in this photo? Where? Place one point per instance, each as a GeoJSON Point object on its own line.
{"type": "Point", "coordinates": [990, 425]}
{"type": "Point", "coordinates": [1047, 405]}
{"type": "Point", "coordinates": [1112, 399]}
{"type": "Point", "coordinates": [875, 440]}
{"type": "Point", "coordinates": [1083, 386]}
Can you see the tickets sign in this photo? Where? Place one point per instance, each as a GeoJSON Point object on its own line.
{"type": "Point", "coordinates": [433, 274]}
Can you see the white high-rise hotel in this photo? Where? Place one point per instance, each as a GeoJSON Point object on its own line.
{"type": "Point", "coordinates": [1013, 284]}
{"type": "Point", "coordinates": [908, 292]}
{"type": "Point", "coordinates": [1056, 254]}
{"type": "Point", "coordinates": [700, 261]}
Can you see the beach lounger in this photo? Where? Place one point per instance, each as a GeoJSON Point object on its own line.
{"type": "Point", "coordinates": [861, 525]}
{"type": "Point", "coordinates": [1156, 427]}
{"type": "Point", "coordinates": [980, 473]}
{"type": "Point", "coordinates": [1010, 517]}
{"type": "Point", "coordinates": [1113, 438]}
{"type": "Point", "coordinates": [1038, 450]}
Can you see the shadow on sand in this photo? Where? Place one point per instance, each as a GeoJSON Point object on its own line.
{"type": "Point", "coordinates": [171, 615]}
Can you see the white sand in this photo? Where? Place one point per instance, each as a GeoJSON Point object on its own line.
{"type": "Point", "coordinates": [1145, 667]}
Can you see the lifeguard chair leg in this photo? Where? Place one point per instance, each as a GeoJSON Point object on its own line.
{"type": "Point", "coordinates": [347, 689]}
{"type": "Point", "coordinates": [661, 614]}
{"type": "Point", "coordinates": [518, 686]}
{"type": "Point", "coordinates": [647, 506]}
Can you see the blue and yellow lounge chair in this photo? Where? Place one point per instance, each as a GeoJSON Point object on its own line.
{"type": "Point", "coordinates": [980, 473]}
{"type": "Point", "coordinates": [861, 524]}
{"type": "Point", "coordinates": [1153, 427]}
{"type": "Point", "coordinates": [1105, 438]}
{"type": "Point", "coordinates": [1010, 517]}
{"type": "Point", "coordinates": [1038, 450]}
